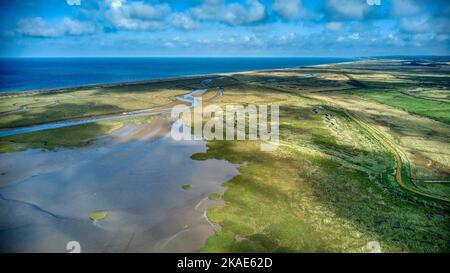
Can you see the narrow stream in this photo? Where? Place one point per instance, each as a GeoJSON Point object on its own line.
{"type": "Point", "coordinates": [188, 98]}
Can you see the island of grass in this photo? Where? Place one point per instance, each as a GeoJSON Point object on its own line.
{"type": "Point", "coordinates": [186, 187]}
{"type": "Point", "coordinates": [98, 215]}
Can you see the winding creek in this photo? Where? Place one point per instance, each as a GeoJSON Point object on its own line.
{"type": "Point", "coordinates": [188, 98]}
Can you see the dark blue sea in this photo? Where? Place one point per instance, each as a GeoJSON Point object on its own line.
{"type": "Point", "coordinates": [20, 74]}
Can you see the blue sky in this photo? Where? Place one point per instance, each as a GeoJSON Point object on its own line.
{"type": "Point", "coordinates": [303, 28]}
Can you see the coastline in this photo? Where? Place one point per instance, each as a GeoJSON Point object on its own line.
{"type": "Point", "coordinates": [152, 81]}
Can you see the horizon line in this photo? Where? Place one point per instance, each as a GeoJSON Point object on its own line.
{"type": "Point", "coordinates": [222, 57]}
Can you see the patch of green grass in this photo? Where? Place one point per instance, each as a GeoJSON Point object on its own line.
{"type": "Point", "coordinates": [186, 187]}
{"type": "Point", "coordinates": [436, 110]}
{"type": "Point", "coordinates": [68, 137]}
{"type": "Point", "coordinates": [215, 196]}
{"type": "Point", "coordinates": [439, 189]}
{"type": "Point", "coordinates": [98, 215]}
{"type": "Point", "coordinates": [84, 102]}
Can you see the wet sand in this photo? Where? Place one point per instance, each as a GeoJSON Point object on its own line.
{"type": "Point", "coordinates": [136, 174]}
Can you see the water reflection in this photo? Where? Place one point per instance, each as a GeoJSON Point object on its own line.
{"type": "Point", "coordinates": [46, 197]}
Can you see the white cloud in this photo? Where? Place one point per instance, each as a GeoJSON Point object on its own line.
{"type": "Point", "coordinates": [183, 21]}
{"type": "Point", "coordinates": [395, 40]}
{"type": "Point", "coordinates": [415, 25]}
{"type": "Point", "coordinates": [334, 26]}
{"type": "Point", "coordinates": [38, 27]}
{"type": "Point", "coordinates": [349, 9]}
{"type": "Point", "coordinates": [441, 24]}
{"type": "Point", "coordinates": [75, 27]}
{"type": "Point", "coordinates": [73, 2]}
{"type": "Point", "coordinates": [115, 4]}
{"type": "Point", "coordinates": [139, 10]}
{"type": "Point", "coordinates": [404, 8]}
{"type": "Point", "coordinates": [285, 39]}
{"type": "Point", "coordinates": [169, 45]}
{"type": "Point", "coordinates": [289, 9]}
{"type": "Point", "coordinates": [136, 15]}
{"type": "Point", "coordinates": [442, 37]}
{"type": "Point", "coordinates": [232, 14]}
{"type": "Point", "coordinates": [256, 12]}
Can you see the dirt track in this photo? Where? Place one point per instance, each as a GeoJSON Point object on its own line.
{"type": "Point", "coordinates": [398, 158]}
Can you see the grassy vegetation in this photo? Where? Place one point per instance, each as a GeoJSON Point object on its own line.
{"type": "Point", "coordinates": [435, 188]}
{"type": "Point", "coordinates": [28, 109]}
{"type": "Point", "coordinates": [68, 137]}
{"type": "Point", "coordinates": [98, 215]}
{"type": "Point", "coordinates": [215, 196]}
{"type": "Point", "coordinates": [186, 187]}
{"type": "Point", "coordinates": [433, 109]}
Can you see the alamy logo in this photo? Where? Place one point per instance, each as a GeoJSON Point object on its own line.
{"type": "Point", "coordinates": [73, 247]}
{"type": "Point", "coordinates": [241, 122]}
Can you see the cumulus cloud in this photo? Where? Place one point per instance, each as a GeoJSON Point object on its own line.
{"type": "Point", "coordinates": [183, 21]}
{"type": "Point", "coordinates": [285, 39]}
{"type": "Point", "coordinates": [73, 2]}
{"type": "Point", "coordinates": [136, 15]}
{"type": "Point", "coordinates": [334, 26]}
{"type": "Point", "coordinates": [440, 24]}
{"type": "Point", "coordinates": [415, 24]}
{"type": "Point", "coordinates": [232, 14]}
{"type": "Point", "coordinates": [348, 9]}
{"type": "Point", "coordinates": [115, 4]}
{"type": "Point", "coordinates": [395, 40]}
{"type": "Point", "coordinates": [404, 7]}
{"type": "Point", "coordinates": [288, 9]}
{"type": "Point", "coordinates": [442, 37]}
{"type": "Point", "coordinates": [75, 27]}
{"type": "Point", "coordinates": [38, 27]}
